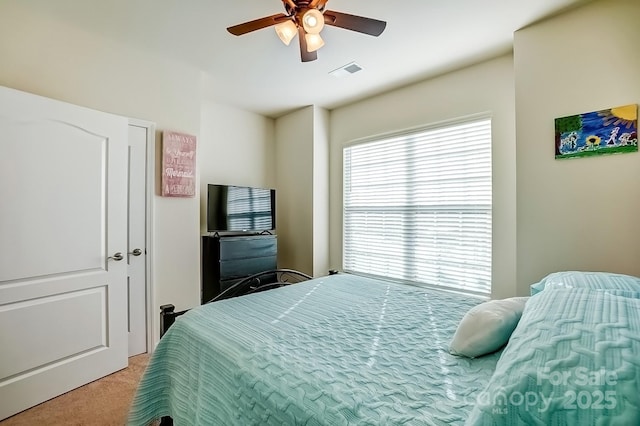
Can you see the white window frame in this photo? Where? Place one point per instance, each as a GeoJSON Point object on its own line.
{"type": "Point", "coordinates": [442, 237]}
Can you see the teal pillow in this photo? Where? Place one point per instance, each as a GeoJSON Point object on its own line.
{"type": "Point", "coordinates": [585, 279]}
{"type": "Point", "coordinates": [623, 293]}
{"type": "Point", "coordinates": [537, 288]}
{"type": "Point", "coordinates": [573, 359]}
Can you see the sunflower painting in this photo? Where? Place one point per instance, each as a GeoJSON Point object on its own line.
{"type": "Point", "coordinates": [609, 131]}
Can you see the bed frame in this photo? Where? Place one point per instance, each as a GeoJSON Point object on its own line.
{"type": "Point", "coordinates": [252, 284]}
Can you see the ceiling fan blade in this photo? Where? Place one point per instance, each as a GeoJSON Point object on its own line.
{"type": "Point", "coordinates": [305, 56]}
{"type": "Point", "coordinates": [291, 3]}
{"type": "Point", "coordinates": [258, 24]}
{"type": "Point", "coordinates": [360, 24]}
{"type": "Point", "coordinates": [317, 4]}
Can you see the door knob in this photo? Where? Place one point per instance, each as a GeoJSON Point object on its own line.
{"type": "Point", "coordinates": [117, 257]}
{"type": "Point", "coordinates": [135, 252]}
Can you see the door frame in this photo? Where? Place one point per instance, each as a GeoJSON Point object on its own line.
{"type": "Point", "coordinates": [150, 199]}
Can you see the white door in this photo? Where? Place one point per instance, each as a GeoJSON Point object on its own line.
{"type": "Point", "coordinates": [63, 227]}
{"type": "Point", "coordinates": [137, 251]}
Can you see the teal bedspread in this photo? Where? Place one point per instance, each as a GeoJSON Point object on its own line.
{"type": "Point", "coordinates": [336, 350]}
{"type": "Point", "coordinates": [573, 359]}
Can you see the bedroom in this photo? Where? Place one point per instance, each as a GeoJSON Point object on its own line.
{"type": "Point", "coordinates": [524, 90]}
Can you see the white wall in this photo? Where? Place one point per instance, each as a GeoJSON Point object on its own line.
{"type": "Point", "coordinates": [579, 214]}
{"type": "Point", "coordinates": [294, 174]}
{"type": "Point", "coordinates": [303, 190]}
{"type": "Point", "coordinates": [486, 87]}
{"type": "Point", "coordinates": [237, 148]}
{"type": "Point", "coordinates": [321, 121]}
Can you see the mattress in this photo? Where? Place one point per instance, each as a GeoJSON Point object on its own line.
{"type": "Point", "coordinates": [335, 350]}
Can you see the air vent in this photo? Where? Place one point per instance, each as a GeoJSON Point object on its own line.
{"type": "Point", "coordinates": [350, 68]}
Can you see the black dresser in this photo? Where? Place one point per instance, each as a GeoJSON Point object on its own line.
{"type": "Point", "coordinates": [228, 259]}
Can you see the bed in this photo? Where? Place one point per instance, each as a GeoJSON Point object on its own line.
{"type": "Point", "coordinates": [348, 350]}
{"type": "Point", "coordinates": [334, 350]}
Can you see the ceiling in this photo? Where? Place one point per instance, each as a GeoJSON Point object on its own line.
{"type": "Point", "coordinates": [257, 72]}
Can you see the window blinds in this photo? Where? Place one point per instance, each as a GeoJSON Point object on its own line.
{"type": "Point", "coordinates": [417, 207]}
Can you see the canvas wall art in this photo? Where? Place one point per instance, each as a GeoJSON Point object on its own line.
{"type": "Point", "coordinates": [608, 131]}
{"type": "Point", "coordinates": [178, 165]}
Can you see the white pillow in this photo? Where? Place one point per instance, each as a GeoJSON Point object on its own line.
{"type": "Point", "coordinates": [486, 327]}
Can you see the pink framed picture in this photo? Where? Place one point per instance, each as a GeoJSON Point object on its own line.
{"type": "Point", "coordinates": [178, 164]}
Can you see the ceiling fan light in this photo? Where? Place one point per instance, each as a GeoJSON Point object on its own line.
{"type": "Point", "coordinates": [314, 42]}
{"type": "Point", "coordinates": [313, 21]}
{"type": "Point", "coordinates": [286, 31]}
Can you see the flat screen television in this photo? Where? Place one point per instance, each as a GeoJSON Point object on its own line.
{"type": "Point", "coordinates": [240, 209]}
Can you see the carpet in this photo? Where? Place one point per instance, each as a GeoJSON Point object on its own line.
{"type": "Point", "coordinates": [104, 402]}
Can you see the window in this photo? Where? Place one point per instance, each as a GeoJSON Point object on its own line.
{"type": "Point", "coordinates": [417, 207]}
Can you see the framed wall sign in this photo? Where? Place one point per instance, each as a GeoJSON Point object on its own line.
{"type": "Point", "coordinates": [178, 164]}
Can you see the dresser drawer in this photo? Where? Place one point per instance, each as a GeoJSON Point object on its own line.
{"type": "Point", "coordinates": [242, 248]}
{"type": "Point", "coordinates": [264, 279]}
{"type": "Point", "coordinates": [245, 267]}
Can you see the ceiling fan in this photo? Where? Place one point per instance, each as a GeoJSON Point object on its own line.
{"type": "Point", "coordinates": [306, 18]}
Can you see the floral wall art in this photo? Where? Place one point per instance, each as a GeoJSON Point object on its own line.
{"type": "Point", "coordinates": [608, 131]}
{"type": "Point", "coordinates": [178, 164]}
